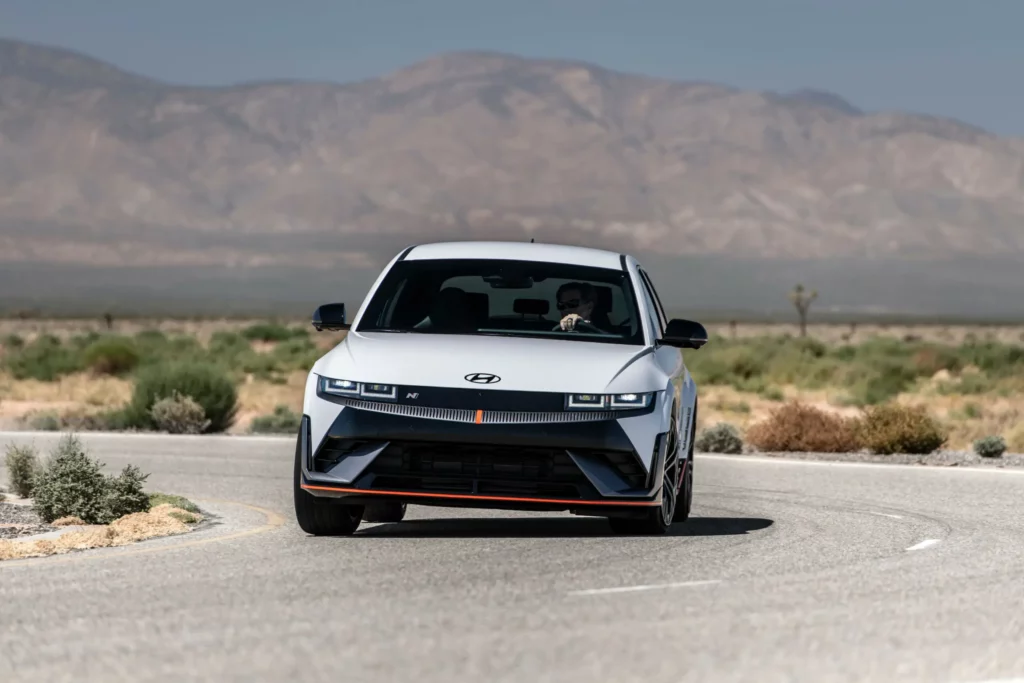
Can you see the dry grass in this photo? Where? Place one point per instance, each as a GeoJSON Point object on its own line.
{"type": "Point", "coordinates": [83, 394]}
{"type": "Point", "coordinates": [162, 520]}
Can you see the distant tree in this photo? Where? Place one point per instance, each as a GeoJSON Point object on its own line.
{"type": "Point", "coordinates": [802, 299]}
{"type": "Point", "coordinates": [109, 320]}
{"type": "Point", "coordinates": [732, 328]}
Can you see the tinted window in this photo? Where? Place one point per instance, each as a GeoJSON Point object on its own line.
{"type": "Point", "coordinates": [508, 298]}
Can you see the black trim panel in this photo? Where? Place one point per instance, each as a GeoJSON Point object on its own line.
{"type": "Point", "coordinates": [361, 425]}
{"type": "Point", "coordinates": [405, 252]}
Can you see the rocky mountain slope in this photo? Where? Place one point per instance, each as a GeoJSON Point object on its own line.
{"type": "Point", "coordinates": [102, 167]}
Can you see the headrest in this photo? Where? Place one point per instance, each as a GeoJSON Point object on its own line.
{"type": "Point", "coordinates": [479, 305]}
{"type": "Point", "coordinates": [531, 306]}
{"type": "Point", "coordinates": [604, 298]}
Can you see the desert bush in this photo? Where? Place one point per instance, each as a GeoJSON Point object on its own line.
{"type": "Point", "coordinates": [111, 356]}
{"type": "Point", "coordinates": [893, 428]}
{"type": "Point", "coordinates": [802, 428]}
{"type": "Point", "coordinates": [177, 414]}
{"type": "Point", "coordinates": [207, 385]}
{"type": "Point", "coordinates": [281, 421]}
{"type": "Point", "coordinates": [990, 446]}
{"type": "Point", "coordinates": [47, 421]}
{"type": "Point", "coordinates": [22, 467]}
{"type": "Point", "coordinates": [720, 438]}
{"type": "Point", "coordinates": [72, 484]}
{"type": "Point", "coordinates": [12, 341]}
{"type": "Point", "coordinates": [44, 359]}
{"type": "Point", "coordinates": [270, 332]}
{"type": "Point", "coordinates": [123, 495]}
{"type": "Point", "coordinates": [168, 499]}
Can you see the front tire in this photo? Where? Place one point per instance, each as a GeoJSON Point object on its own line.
{"type": "Point", "coordinates": [686, 489]}
{"type": "Point", "coordinates": [387, 511]}
{"type": "Point", "coordinates": [321, 519]}
{"type": "Point", "coordinates": [658, 520]}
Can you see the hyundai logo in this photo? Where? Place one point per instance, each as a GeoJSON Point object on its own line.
{"type": "Point", "coordinates": [482, 378]}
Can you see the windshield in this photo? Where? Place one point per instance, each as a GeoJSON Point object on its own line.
{"type": "Point", "coordinates": [507, 298]}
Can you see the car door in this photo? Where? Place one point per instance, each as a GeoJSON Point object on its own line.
{"type": "Point", "coordinates": [670, 359]}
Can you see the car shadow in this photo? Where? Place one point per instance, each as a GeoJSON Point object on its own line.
{"type": "Point", "coordinates": [553, 527]}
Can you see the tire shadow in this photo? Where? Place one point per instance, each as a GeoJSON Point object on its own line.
{"type": "Point", "coordinates": [555, 527]}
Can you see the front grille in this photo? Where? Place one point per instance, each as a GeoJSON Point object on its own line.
{"type": "Point", "coordinates": [477, 469]}
{"type": "Point", "coordinates": [486, 416]}
{"type": "Point", "coordinates": [482, 469]}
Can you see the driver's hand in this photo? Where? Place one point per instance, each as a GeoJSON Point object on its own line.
{"type": "Point", "coordinates": [569, 321]}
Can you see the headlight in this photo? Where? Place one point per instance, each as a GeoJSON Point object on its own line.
{"type": "Point", "coordinates": [607, 401]}
{"type": "Point", "coordinates": [344, 387]}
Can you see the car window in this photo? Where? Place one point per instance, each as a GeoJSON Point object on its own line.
{"type": "Point", "coordinates": [504, 297]}
{"type": "Point", "coordinates": [658, 321]}
{"type": "Point", "coordinates": [654, 298]}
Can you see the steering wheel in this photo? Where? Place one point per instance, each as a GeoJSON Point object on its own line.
{"type": "Point", "coordinates": [581, 323]}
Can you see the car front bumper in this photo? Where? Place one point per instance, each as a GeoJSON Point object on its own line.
{"type": "Point", "coordinates": [590, 467]}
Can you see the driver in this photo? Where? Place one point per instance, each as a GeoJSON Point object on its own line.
{"type": "Point", "coordinates": [575, 302]}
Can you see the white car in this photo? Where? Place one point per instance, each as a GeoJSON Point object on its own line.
{"type": "Point", "coordinates": [501, 375]}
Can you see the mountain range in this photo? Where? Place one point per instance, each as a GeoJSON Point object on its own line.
{"type": "Point", "coordinates": [105, 171]}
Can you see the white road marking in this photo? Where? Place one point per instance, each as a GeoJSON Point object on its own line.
{"type": "Point", "coordinates": [883, 514]}
{"type": "Point", "coordinates": [649, 587]}
{"type": "Point", "coordinates": [923, 544]}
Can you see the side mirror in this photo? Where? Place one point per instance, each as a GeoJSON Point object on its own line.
{"type": "Point", "coordinates": [330, 317]}
{"type": "Point", "coordinates": [684, 334]}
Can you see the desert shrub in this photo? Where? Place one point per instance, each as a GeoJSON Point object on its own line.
{"type": "Point", "coordinates": [720, 438]}
{"type": "Point", "coordinates": [281, 421]}
{"type": "Point", "coordinates": [929, 360]}
{"type": "Point", "coordinates": [771, 393]}
{"type": "Point", "coordinates": [12, 341]}
{"type": "Point", "coordinates": [296, 354]}
{"type": "Point", "coordinates": [893, 428]}
{"type": "Point", "coordinates": [22, 468]}
{"type": "Point", "coordinates": [990, 446]}
{"type": "Point", "coordinates": [802, 428]}
{"type": "Point", "coordinates": [44, 359]}
{"type": "Point", "coordinates": [123, 495]}
{"type": "Point", "coordinates": [268, 332]}
{"type": "Point", "coordinates": [111, 356]}
{"type": "Point", "coordinates": [204, 383]}
{"type": "Point", "coordinates": [47, 421]}
{"type": "Point", "coordinates": [72, 484]}
{"type": "Point", "coordinates": [168, 499]}
{"type": "Point", "coordinates": [177, 414]}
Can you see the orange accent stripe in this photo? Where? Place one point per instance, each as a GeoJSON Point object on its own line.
{"type": "Point", "coordinates": [479, 416]}
{"type": "Point", "coordinates": [461, 496]}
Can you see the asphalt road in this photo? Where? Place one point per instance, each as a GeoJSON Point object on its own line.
{"type": "Point", "coordinates": [786, 572]}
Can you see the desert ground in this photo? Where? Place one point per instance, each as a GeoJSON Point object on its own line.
{"type": "Point", "coordinates": [971, 377]}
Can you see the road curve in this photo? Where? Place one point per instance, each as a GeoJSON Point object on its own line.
{"type": "Point", "coordinates": [786, 572]}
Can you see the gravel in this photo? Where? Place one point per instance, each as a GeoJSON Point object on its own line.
{"type": "Point", "coordinates": [17, 521]}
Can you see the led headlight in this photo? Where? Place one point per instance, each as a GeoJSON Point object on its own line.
{"type": "Point", "coordinates": [630, 400]}
{"type": "Point", "coordinates": [344, 387]}
{"type": "Point", "coordinates": [387, 391]}
{"type": "Point", "coordinates": [586, 401]}
{"type": "Point", "coordinates": [607, 401]}
{"type": "Point", "coordinates": [339, 387]}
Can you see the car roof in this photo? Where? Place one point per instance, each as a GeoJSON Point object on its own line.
{"type": "Point", "coordinates": [518, 251]}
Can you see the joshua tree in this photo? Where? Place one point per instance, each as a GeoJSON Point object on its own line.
{"type": "Point", "coordinates": [109, 320]}
{"type": "Point", "coordinates": [802, 299]}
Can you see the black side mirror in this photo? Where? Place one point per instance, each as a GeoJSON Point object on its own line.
{"type": "Point", "coordinates": [330, 317]}
{"type": "Point", "coordinates": [684, 334]}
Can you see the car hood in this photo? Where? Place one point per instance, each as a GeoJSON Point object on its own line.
{"type": "Point", "coordinates": [522, 364]}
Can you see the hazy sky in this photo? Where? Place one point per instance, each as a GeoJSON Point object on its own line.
{"type": "Point", "coordinates": [960, 59]}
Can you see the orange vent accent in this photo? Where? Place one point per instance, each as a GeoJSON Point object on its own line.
{"type": "Point", "coordinates": [479, 416]}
